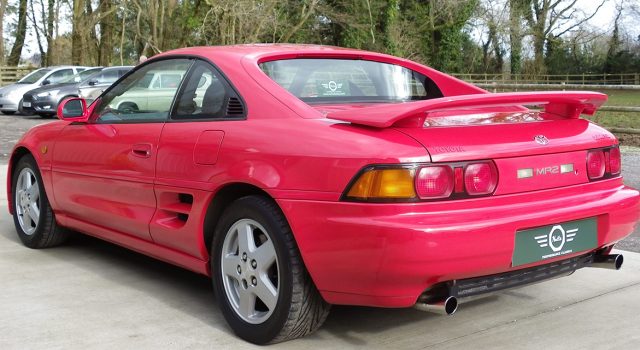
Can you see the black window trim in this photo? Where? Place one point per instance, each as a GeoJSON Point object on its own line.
{"type": "Point", "coordinates": [93, 118]}
{"type": "Point", "coordinates": [231, 93]}
{"type": "Point", "coordinates": [180, 88]}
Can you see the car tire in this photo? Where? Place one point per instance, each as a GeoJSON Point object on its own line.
{"type": "Point", "coordinates": [272, 264]}
{"type": "Point", "coordinates": [33, 217]}
{"type": "Point", "coordinates": [128, 107]}
{"type": "Point", "coordinates": [9, 112]}
{"type": "Point", "coordinates": [21, 109]}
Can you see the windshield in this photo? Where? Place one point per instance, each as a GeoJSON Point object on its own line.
{"type": "Point", "coordinates": [34, 76]}
{"type": "Point", "coordinates": [336, 81]}
{"type": "Point", "coordinates": [80, 77]}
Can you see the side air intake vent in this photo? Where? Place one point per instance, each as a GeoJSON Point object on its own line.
{"type": "Point", "coordinates": [234, 107]}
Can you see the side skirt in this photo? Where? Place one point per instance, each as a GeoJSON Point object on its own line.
{"type": "Point", "coordinates": [141, 246]}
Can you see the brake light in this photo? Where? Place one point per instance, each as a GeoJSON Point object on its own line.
{"type": "Point", "coordinates": [434, 182]}
{"type": "Point", "coordinates": [480, 178]}
{"type": "Point", "coordinates": [595, 164]}
{"type": "Point", "coordinates": [415, 182]}
{"type": "Point", "coordinates": [615, 161]}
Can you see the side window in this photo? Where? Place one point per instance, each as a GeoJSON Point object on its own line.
{"type": "Point", "coordinates": [205, 96]}
{"type": "Point", "coordinates": [108, 77]}
{"type": "Point", "coordinates": [134, 101]}
{"type": "Point", "coordinates": [59, 75]}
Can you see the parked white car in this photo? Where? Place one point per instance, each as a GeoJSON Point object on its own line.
{"type": "Point", "coordinates": [11, 95]}
{"type": "Point", "coordinates": [154, 91]}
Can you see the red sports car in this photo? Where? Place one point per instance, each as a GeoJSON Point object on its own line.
{"type": "Point", "coordinates": [301, 176]}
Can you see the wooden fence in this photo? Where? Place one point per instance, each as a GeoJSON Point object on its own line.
{"type": "Point", "coordinates": [599, 79]}
{"type": "Point", "coordinates": [10, 75]}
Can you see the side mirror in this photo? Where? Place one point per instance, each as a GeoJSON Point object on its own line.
{"type": "Point", "coordinates": [93, 82]}
{"type": "Point", "coordinates": [73, 110]}
{"type": "Point", "coordinates": [46, 82]}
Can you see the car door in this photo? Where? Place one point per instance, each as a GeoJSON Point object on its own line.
{"type": "Point", "coordinates": [103, 170]}
{"type": "Point", "coordinates": [187, 154]}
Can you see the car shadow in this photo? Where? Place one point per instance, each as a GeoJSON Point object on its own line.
{"type": "Point", "coordinates": [192, 294]}
{"type": "Point", "coordinates": [173, 286]}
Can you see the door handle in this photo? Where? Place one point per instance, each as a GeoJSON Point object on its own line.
{"type": "Point", "coordinates": [142, 150]}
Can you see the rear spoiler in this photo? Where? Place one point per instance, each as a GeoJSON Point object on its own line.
{"type": "Point", "coordinates": [568, 104]}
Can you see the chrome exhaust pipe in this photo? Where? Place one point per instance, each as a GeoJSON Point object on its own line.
{"type": "Point", "coordinates": [444, 307]}
{"type": "Point", "coordinates": [613, 261]}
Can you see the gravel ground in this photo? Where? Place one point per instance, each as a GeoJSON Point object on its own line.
{"type": "Point", "coordinates": [13, 126]}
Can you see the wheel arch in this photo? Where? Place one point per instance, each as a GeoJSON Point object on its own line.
{"type": "Point", "coordinates": [66, 97]}
{"type": "Point", "coordinates": [16, 155]}
{"type": "Point", "coordinates": [127, 103]}
{"type": "Point", "coordinates": [220, 201]}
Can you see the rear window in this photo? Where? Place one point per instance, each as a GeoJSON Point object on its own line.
{"type": "Point", "coordinates": [337, 80]}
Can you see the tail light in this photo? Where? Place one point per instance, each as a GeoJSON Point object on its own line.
{"type": "Point", "coordinates": [480, 178]}
{"type": "Point", "coordinates": [434, 182]}
{"type": "Point", "coordinates": [412, 183]}
{"type": "Point", "coordinates": [603, 163]}
{"type": "Point", "coordinates": [595, 164]}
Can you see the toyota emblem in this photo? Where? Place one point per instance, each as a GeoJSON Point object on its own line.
{"type": "Point", "coordinates": [541, 139]}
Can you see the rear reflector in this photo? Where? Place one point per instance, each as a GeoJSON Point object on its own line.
{"type": "Point", "coordinates": [595, 164]}
{"type": "Point", "coordinates": [480, 178]}
{"type": "Point", "coordinates": [434, 182]}
{"type": "Point", "coordinates": [459, 179]}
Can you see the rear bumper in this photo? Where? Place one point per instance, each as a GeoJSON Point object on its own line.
{"type": "Point", "coordinates": [388, 254]}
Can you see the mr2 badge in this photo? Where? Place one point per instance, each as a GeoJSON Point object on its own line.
{"type": "Point", "coordinates": [548, 242]}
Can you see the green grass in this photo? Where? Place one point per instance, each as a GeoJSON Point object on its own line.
{"type": "Point", "coordinates": [627, 120]}
{"type": "Point", "coordinates": [619, 119]}
{"type": "Point", "coordinates": [623, 98]}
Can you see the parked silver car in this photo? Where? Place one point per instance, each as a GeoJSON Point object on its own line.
{"type": "Point", "coordinates": [11, 95]}
{"type": "Point", "coordinates": [88, 84]}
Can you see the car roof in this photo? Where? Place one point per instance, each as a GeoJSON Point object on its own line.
{"type": "Point", "coordinates": [117, 67]}
{"type": "Point", "coordinates": [243, 59]}
{"type": "Point", "coordinates": [63, 67]}
{"type": "Point", "coordinates": [256, 50]}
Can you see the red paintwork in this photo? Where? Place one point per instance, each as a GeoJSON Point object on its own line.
{"type": "Point", "coordinates": [565, 103]}
{"type": "Point", "coordinates": [123, 182]}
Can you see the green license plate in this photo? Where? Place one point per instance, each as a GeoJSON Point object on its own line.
{"type": "Point", "coordinates": [552, 241]}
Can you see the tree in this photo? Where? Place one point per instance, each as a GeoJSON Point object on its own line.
{"type": "Point", "coordinates": [107, 33]}
{"type": "Point", "coordinates": [16, 50]}
{"type": "Point", "coordinates": [516, 14]}
{"type": "Point", "coordinates": [546, 16]}
{"type": "Point", "coordinates": [3, 8]}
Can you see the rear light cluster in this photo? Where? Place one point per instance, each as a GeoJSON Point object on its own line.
{"type": "Point", "coordinates": [603, 163]}
{"type": "Point", "coordinates": [412, 183]}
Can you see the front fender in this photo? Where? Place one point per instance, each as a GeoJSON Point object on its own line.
{"type": "Point", "coordinates": [38, 141]}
